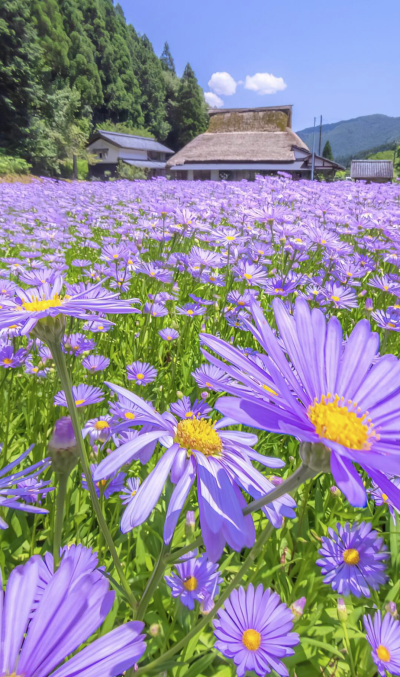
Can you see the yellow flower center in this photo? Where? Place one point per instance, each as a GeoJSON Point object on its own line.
{"type": "Point", "coordinates": [140, 376]}
{"type": "Point", "coordinates": [199, 434]}
{"type": "Point", "coordinates": [247, 276]}
{"type": "Point", "coordinates": [189, 414]}
{"type": "Point", "coordinates": [190, 584]}
{"type": "Point", "coordinates": [78, 402]}
{"type": "Point", "coordinates": [38, 305]}
{"type": "Point", "coordinates": [351, 556]}
{"type": "Point", "coordinates": [169, 338]}
{"type": "Point", "coordinates": [100, 425]}
{"type": "Point", "coordinates": [134, 492]}
{"type": "Point", "coordinates": [341, 422]}
{"type": "Point", "coordinates": [230, 238]}
{"type": "Point", "coordinates": [35, 369]}
{"type": "Point", "coordinates": [383, 654]}
{"type": "Point", "coordinates": [7, 361]}
{"type": "Point", "coordinates": [101, 483]}
{"type": "Point", "coordinates": [100, 326]}
{"type": "Point", "coordinates": [384, 497]}
{"type": "Point", "coordinates": [251, 639]}
{"type": "Point", "coordinates": [335, 298]}
{"type": "Point", "coordinates": [278, 290]}
{"type": "Point", "coordinates": [152, 273]}
{"type": "Point", "coordinates": [129, 415]}
{"type": "Point", "coordinates": [115, 256]}
{"type": "Point", "coordinates": [190, 312]}
{"type": "Point", "coordinates": [391, 324]}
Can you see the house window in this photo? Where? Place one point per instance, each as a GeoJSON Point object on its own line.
{"type": "Point", "coordinates": [100, 155]}
{"type": "Point", "coordinates": [226, 175]}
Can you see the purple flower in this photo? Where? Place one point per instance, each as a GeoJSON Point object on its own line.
{"type": "Point", "coordinates": [169, 334]}
{"type": "Point", "coordinates": [384, 638]}
{"type": "Point", "coordinates": [108, 485]}
{"type": "Point", "coordinates": [155, 309]}
{"type": "Point", "coordinates": [352, 559]}
{"type": "Point", "coordinates": [255, 630]}
{"type": "Point", "coordinates": [130, 490]}
{"type": "Point", "coordinates": [10, 359]}
{"type": "Point", "coordinates": [388, 319]}
{"type": "Point", "coordinates": [33, 489]}
{"type": "Point", "coordinates": [141, 372]}
{"type": "Point", "coordinates": [76, 344]}
{"type": "Point", "coordinates": [36, 646]}
{"type": "Point", "coordinates": [190, 309]}
{"type": "Point", "coordinates": [196, 580]}
{"type": "Point", "coordinates": [98, 429]}
{"type": "Point", "coordinates": [95, 363]}
{"type": "Point", "coordinates": [82, 394]}
{"type": "Point", "coordinates": [207, 376]}
{"type": "Point", "coordinates": [380, 498]}
{"type": "Point", "coordinates": [251, 273]}
{"type": "Point", "coordinates": [183, 408]}
{"type": "Point", "coordinates": [341, 297]}
{"type": "Point", "coordinates": [31, 305]}
{"type": "Point", "coordinates": [344, 398]}
{"type": "Point", "coordinates": [222, 462]}
{"type": "Point", "coordinates": [10, 496]}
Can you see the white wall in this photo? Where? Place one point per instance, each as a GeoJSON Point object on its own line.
{"type": "Point", "coordinates": [114, 153]}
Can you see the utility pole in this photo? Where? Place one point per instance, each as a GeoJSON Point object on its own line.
{"type": "Point", "coordinates": [313, 152]}
{"type": "Point", "coordinates": [320, 136]}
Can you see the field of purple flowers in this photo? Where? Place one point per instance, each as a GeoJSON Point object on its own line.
{"type": "Point", "coordinates": [200, 427]}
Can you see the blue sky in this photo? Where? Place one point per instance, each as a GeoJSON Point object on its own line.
{"type": "Point", "coordinates": [337, 58]}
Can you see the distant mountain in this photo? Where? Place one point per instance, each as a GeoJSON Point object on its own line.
{"type": "Point", "coordinates": [349, 138]}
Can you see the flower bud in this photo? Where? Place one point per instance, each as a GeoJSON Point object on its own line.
{"type": "Point", "coordinates": [204, 395]}
{"type": "Point", "coordinates": [190, 524]}
{"type": "Point", "coordinates": [335, 491]}
{"type": "Point", "coordinates": [50, 329]}
{"type": "Point", "coordinates": [276, 481]}
{"type": "Point", "coordinates": [154, 629]}
{"type": "Point", "coordinates": [368, 305]}
{"type": "Point", "coordinates": [179, 394]}
{"type": "Point", "coordinates": [62, 447]}
{"type": "Point", "coordinates": [207, 605]}
{"type": "Point", "coordinates": [297, 608]}
{"type": "Point", "coordinates": [341, 610]}
{"type": "Point", "coordinates": [391, 608]}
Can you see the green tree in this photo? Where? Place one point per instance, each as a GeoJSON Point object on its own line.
{"type": "Point", "coordinates": [20, 63]}
{"type": "Point", "coordinates": [152, 85]}
{"type": "Point", "coordinates": [167, 62]}
{"type": "Point", "coordinates": [48, 21]}
{"type": "Point", "coordinates": [327, 151]}
{"type": "Point", "coordinates": [190, 110]}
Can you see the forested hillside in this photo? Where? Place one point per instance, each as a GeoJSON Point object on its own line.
{"type": "Point", "coordinates": [357, 137]}
{"type": "Point", "coordinates": [69, 66]}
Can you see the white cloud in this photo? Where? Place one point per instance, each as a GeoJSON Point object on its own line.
{"type": "Point", "coordinates": [222, 83]}
{"type": "Point", "coordinates": [213, 100]}
{"type": "Point", "coordinates": [265, 83]}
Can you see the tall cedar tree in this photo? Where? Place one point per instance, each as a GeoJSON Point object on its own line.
{"type": "Point", "coordinates": [166, 59]}
{"type": "Point", "coordinates": [327, 152]}
{"type": "Point", "coordinates": [190, 111]}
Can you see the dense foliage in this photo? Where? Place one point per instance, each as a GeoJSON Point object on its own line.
{"type": "Point", "coordinates": [68, 66]}
{"type": "Point", "coordinates": [210, 266]}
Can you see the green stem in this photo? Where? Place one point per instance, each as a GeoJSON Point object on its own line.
{"type": "Point", "coordinates": [60, 504]}
{"type": "Point", "coordinates": [301, 475]}
{"type": "Point", "coordinates": [153, 582]}
{"type": "Point", "coordinates": [59, 361]}
{"type": "Point", "coordinates": [250, 559]}
{"type": "Point", "coordinates": [348, 647]}
{"type": "Point", "coordinates": [174, 556]}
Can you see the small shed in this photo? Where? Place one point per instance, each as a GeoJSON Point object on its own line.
{"type": "Point", "coordinates": [138, 151]}
{"type": "Point", "coordinates": [372, 171]}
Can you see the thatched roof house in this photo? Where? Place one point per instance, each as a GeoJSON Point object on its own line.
{"type": "Point", "coordinates": [242, 142]}
{"type": "Point", "coordinates": [376, 171]}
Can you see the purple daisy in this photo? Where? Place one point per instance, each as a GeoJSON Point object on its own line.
{"type": "Point", "coordinates": [190, 309]}
{"type": "Point", "coordinates": [76, 344]}
{"type": "Point", "coordinates": [255, 630]}
{"type": "Point", "coordinates": [108, 485]}
{"type": "Point", "coordinates": [341, 297]}
{"type": "Point", "coordinates": [36, 646]}
{"type": "Point", "coordinates": [183, 408]}
{"type": "Point", "coordinates": [130, 490]}
{"type": "Point", "coordinates": [10, 496]}
{"type": "Point", "coordinates": [141, 372]}
{"type": "Point", "coordinates": [10, 359]}
{"type": "Point", "coordinates": [387, 319]}
{"type": "Point", "coordinates": [98, 429]}
{"type": "Point", "coordinates": [94, 363]}
{"type": "Point", "coordinates": [345, 399]}
{"type": "Point", "coordinates": [380, 498]}
{"type": "Point", "coordinates": [352, 559]}
{"type": "Point", "coordinates": [29, 306]}
{"type": "Point", "coordinates": [196, 580]}
{"type": "Point", "coordinates": [208, 376]}
{"type": "Point", "coordinates": [155, 309]}
{"type": "Point", "coordinates": [169, 334]}
{"type": "Point", "coordinates": [222, 462]}
{"type": "Point", "coordinates": [82, 394]}
{"type": "Point", "coordinates": [384, 638]}
{"type": "Point", "coordinates": [33, 489]}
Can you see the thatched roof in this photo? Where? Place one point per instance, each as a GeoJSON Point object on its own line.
{"type": "Point", "coordinates": [258, 146]}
